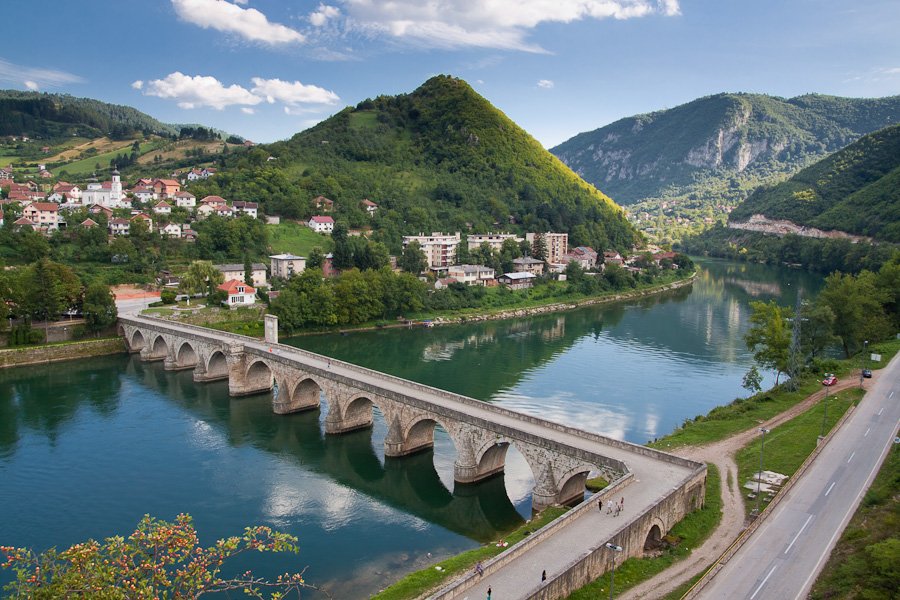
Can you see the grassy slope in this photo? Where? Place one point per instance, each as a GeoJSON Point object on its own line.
{"type": "Point", "coordinates": [296, 238]}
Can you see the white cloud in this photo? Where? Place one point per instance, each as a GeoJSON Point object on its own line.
{"type": "Point", "coordinates": [546, 84]}
{"type": "Point", "coordinates": [241, 2]}
{"type": "Point", "coordinates": [197, 91]}
{"type": "Point", "coordinates": [500, 24]}
{"type": "Point", "coordinates": [292, 92]}
{"type": "Point", "coordinates": [32, 85]}
{"type": "Point", "coordinates": [248, 111]}
{"type": "Point", "coordinates": [224, 16]}
{"type": "Point", "coordinates": [323, 14]}
{"type": "Point", "coordinates": [138, 85]}
{"type": "Point", "coordinates": [18, 74]}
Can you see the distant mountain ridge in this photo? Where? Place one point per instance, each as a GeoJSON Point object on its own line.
{"type": "Point", "coordinates": [439, 158]}
{"type": "Point", "coordinates": [709, 146]}
{"type": "Point", "coordinates": [855, 190]}
{"type": "Point", "coordinates": [38, 114]}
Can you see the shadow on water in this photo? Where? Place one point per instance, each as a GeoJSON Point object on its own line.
{"type": "Point", "coordinates": [74, 387]}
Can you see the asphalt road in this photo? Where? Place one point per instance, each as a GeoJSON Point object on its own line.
{"type": "Point", "coordinates": [783, 557]}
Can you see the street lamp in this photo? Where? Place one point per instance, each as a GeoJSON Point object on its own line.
{"type": "Point", "coordinates": [612, 555]}
{"type": "Point", "coordinates": [824, 412]}
{"type": "Point", "coordinates": [764, 431]}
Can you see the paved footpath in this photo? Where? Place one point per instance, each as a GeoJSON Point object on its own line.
{"type": "Point", "coordinates": [653, 479]}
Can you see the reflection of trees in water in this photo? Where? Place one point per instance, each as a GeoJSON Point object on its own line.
{"type": "Point", "coordinates": [482, 511]}
{"type": "Point", "coordinates": [44, 398]}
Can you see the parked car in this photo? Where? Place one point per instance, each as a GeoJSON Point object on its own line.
{"type": "Point", "coordinates": [867, 373]}
{"type": "Point", "coordinates": [830, 379]}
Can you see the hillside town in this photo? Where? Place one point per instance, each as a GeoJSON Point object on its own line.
{"type": "Point", "coordinates": [163, 206]}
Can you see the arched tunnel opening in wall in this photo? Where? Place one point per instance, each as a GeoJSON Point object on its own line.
{"type": "Point", "coordinates": [654, 539]}
{"type": "Point", "coordinates": [217, 365]}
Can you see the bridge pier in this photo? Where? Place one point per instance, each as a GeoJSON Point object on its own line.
{"type": "Point", "coordinates": [420, 437]}
{"type": "Point", "coordinates": [247, 376]}
{"type": "Point", "coordinates": [304, 396]}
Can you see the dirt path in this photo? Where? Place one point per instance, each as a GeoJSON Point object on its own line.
{"type": "Point", "coordinates": [721, 454]}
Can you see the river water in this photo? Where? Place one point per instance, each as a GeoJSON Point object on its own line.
{"type": "Point", "coordinates": [87, 447]}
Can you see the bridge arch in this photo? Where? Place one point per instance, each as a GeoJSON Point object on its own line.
{"type": "Point", "coordinates": [303, 395]}
{"type": "Point", "coordinates": [259, 376]}
{"type": "Point", "coordinates": [653, 537]}
{"type": "Point", "coordinates": [186, 356]}
{"type": "Point", "coordinates": [217, 365]}
{"type": "Point", "coordinates": [354, 413]}
{"type": "Point", "coordinates": [572, 485]}
{"type": "Point", "coordinates": [137, 341]}
{"type": "Point", "coordinates": [158, 349]}
{"type": "Point", "coordinates": [491, 460]}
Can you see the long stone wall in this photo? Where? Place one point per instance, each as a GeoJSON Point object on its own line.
{"type": "Point", "coordinates": [32, 355]}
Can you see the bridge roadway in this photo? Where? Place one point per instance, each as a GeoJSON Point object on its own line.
{"type": "Point", "coordinates": [654, 478]}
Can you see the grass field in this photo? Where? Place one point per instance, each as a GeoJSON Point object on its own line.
{"type": "Point", "coordinates": [788, 445]}
{"type": "Point", "coordinates": [295, 238]}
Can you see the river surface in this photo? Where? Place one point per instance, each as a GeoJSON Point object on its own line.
{"type": "Point", "coordinates": [87, 447]}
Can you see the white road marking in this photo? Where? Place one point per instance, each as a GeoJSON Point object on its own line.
{"type": "Point", "coordinates": [808, 519]}
{"type": "Point", "coordinates": [829, 487]}
{"type": "Point", "coordinates": [880, 411]}
{"type": "Point", "coordinates": [891, 396]}
{"type": "Point", "coordinates": [867, 432]}
{"type": "Point", "coordinates": [763, 583]}
{"type": "Point", "coordinates": [852, 454]}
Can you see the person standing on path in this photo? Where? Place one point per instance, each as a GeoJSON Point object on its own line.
{"type": "Point", "coordinates": [600, 505]}
{"type": "Point", "coordinates": [489, 593]}
{"type": "Point", "coordinates": [544, 576]}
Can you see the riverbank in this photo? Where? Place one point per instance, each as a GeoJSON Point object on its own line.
{"type": "Point", "coordinates": [35, 355]}
{"type": "Point", "coordinates": [498, 314]}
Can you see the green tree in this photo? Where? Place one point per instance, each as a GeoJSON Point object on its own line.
{"type": "Point", "coordinates": [539, 247]}
{"type": "Point", "coordinates": [316, 258]}
{"type": "Point", "coordinates": [343, 252]}
{"type": "Point", "coordinates": [158, 560]}
{"type": "Point", "coordinates": [857, 305]}
{"type": "Point", "coordinates": [752, 381]}
{"type": "Point", "coordinates": [99, 307]}
{"type": "Point", "coordinates": [412, 259]}
{"type": "Point", "coordinates": [201, 276]}
{"type": "Point", "coordinates": [769, 336]}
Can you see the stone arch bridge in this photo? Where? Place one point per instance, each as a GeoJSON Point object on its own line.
{"type": "Point", "coordinates": [665, 487]}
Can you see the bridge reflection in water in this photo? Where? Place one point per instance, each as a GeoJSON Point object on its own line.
{"type": "Point", "coordinates": [481, 511]}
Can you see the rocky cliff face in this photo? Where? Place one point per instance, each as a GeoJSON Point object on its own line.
{"type": "Point", "coordinates": [666, 152]}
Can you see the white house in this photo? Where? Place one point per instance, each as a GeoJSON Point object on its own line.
{"type": "Point", "coordinates": [144, 194]}
{"type": "Point", "coordinates": [204, 210]}
{"type": "Point", "coordinates": [321, 224]}
{"type": "Point", "coordinates": [471, 274]}
{"type": "Point", "coordinates": [163, 208]}
{"type": "Point", "coordinates": [119, 226]}
{"type": "Point", "coordinates": [172, 230]}
{"type": "Point", "coordinates": [247, 208]}
{"type": "Point", "coordinates": [239, 293]}
{"type": "Point", "coordinates": [185, 200]}
{"type": "Point", "coordinates": [369, 206]}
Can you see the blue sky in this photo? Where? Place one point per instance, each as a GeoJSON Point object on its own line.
{"type": "Point", "coordinates": [266, 69]}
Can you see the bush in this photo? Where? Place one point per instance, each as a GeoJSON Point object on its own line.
{"type": "Point", "coordinates": [167, 296]}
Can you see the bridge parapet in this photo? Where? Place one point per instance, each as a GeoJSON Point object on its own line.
{"type": "Point", "coordinates": [560, 457]}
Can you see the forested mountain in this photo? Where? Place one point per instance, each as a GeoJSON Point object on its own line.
{"type": "Point", "coordinates": [439, 158]}
{"type": "Point", "coordinates": [41, 115]}
{"type": "Point", "coordinates": [721, 137]}
{"type": "Point", "coordinates": [855, 190]}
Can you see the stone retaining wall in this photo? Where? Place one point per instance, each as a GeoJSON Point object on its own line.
{"type": "Point", "coordinates": [32, 355]}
